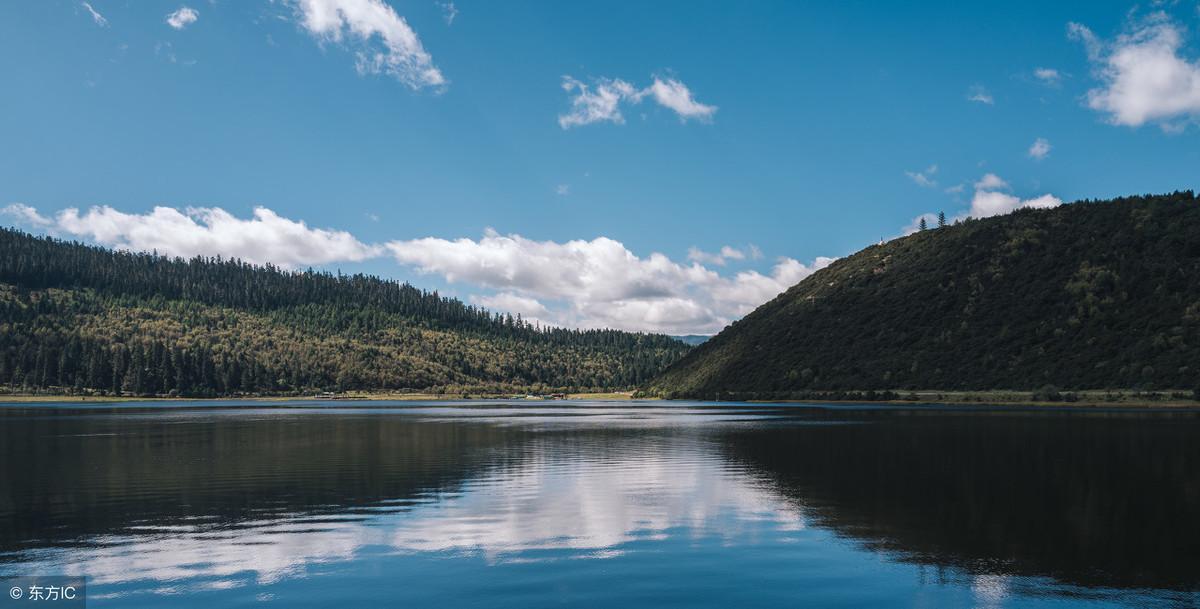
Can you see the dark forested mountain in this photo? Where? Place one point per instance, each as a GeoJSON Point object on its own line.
{"type": "Point", "coordinates": [1092, 295]}
{"type": "Point", "coordinates": [77, 318]}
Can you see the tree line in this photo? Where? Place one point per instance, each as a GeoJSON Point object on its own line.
{"type": "Point", "coordinates": [77, 318]}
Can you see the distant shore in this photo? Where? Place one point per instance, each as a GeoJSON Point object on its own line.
{"type": "Point", "coordinates": [1079, 399]}
{"type": "Point", "coordinates": [356, 396]}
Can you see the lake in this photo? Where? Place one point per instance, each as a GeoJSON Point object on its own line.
{"type": "Point", "coordinates": [594, 504]}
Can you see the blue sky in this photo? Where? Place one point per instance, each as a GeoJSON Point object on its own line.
{"type": "Point", "coordinates": [442, 150]}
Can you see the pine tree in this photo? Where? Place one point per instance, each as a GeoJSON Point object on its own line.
{"type": "Point", "coordinates": [922, 225]}
{"type": "Point", "coordinates": [941, 219]}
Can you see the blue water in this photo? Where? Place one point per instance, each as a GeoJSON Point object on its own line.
{"type": "Point", "coordinates": [597, 504]}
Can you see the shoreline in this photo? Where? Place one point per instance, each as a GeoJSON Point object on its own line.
{"type": "Point", "coordinates": [15, 398]}
{"type": "Point", "coordinates": [1084, 400]}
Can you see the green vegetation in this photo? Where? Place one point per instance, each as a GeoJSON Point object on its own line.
{"type": "Point", "coordinates": [1087, 296]}
{"type": "Point", "coordinates": [78, 319]}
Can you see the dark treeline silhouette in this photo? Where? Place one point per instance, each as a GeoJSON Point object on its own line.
{"type": "Point", "coordinates": [77, 318]}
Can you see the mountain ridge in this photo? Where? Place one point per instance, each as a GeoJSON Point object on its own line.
{"type": "Point", "coordinates": [1089, 295]}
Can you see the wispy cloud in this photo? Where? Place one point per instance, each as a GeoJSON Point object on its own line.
{"type": "Point", "coordinates": [601, 100]}
{"type": "Point", "coordinates": [385, 44]}
{"type": "Point", "coordinates": [671, 93]}
{"type": "Point", "coordinates": [923, 179]}
{"type": "Point", "coordinates": [562, 190]}
{"type": "Point", "coordinates": [449, 12]}
{"type": "Point", "coordinates": [979, 94]}
{"type": "Point", "coordinates": [1048, 76]}
{"type": "Point", "coordinates": [182, 17]}
{"type": "Point", "coordinates": [97, 18]}
{"type": "Point", "coordinates": [595, 103]}
{"type": "Point", "coordinates": [722, 256]}
{"type": "Point", "coordinates": [1143, 76]}
{"type": "Point", "coordinates": [1040, 149]}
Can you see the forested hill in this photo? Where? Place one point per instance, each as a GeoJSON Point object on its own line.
{"type": "Point", "coordinates": [1092, 295]}
{"type": "Point", "coordinates": [78, 318]}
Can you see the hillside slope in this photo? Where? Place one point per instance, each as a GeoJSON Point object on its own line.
{"type": "Point", "coordinates": [1091, 295]}
{"type": "Point", "coordinates": [76, 318]}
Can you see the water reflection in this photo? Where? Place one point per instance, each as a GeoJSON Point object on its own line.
{"type": "Point", "coordinates": [987, 506]}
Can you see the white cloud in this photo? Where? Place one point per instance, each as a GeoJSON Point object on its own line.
{"type": "Point", "coordinates": [977, 93]}
{"type": "Point", "coordinates": [96, 16]}
{"type": "Point", "coordinates": [991, 181]}
{"type": "Point", "coordinates": [601, 101]}
{"type": "Point", "coordinates": [600, 282]}
{"type": "Point", "coordinates": [1048, 76]}
{"type": "Point", "coordinates": [398, 52]}
{"type": "Point", "coordinates": [26, 215]}
{"type": "Point", "coordinates": [725, 254]}
{"type": "Point", "coordinates": [205, 231]}
{"type": "Point", "coordinates": [923, 179]}
{"type": "Point", "coordinates": [597, 103]}
{"type": "Point", "coordinates": [1091, 44]}
{"type": "Point", "coordinates": [562, 190]}
{"type": "Point", "coordinates": [675, 95]}
{"type": "Point", "coordinates": [989, 201]}
{"type": "Point", "coordinates": [449, 12]}
{"type": "Point", "coordinates": [1143, 78]}
{"type": "Point", "coordinates": [529, 309]}
{"type": "Point", "coordinates": [182, 17]}
{"type": "Point", "coordinates": [1040, 149]}
{"type": "Point", "coordinates": [591, 284]}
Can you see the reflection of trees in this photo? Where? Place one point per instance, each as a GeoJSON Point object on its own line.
{"type": "Point", "coordinates": [1090, 500]}
{"type": "Point", "coordinates": [64, 478]}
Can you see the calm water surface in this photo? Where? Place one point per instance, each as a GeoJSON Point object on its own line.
{"type": "Point", "coordinates": [601, 505]}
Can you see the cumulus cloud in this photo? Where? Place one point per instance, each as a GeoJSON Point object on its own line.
{"type": "Point", "coordinates": [1048, 76]}
{"type": "Point", "coordinates": [26, 216]}
{"type": "Point", "coordinates": [990, 181]}
{"type": "Point", "coordinates": [1143, 76]}
{"type": "Point", "coordinates": [591, 284]}
{"type": "Point", "coordinates": [385, 42]}
{"type": "Point", "coordinates": [978, 94]}
{"type": "Point", "coordinates": [1040, 149]}
{"type": "Point", "coordinates": [991, 198]}
{"type": "Point", "coordinates": [601, 101]}
{"type": "Point", "coordinates": [987, 203]}
{"type": "Point", "coordinates": [97, 18]}
{"type": "Point", "coordinates": [600, 283]}
{"type": "Point", "coordinates": [182, 17]}
{"type": "Point", "coordinates": [204, 231]}
{"type": "Point", "coordinates": [923, 179]}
